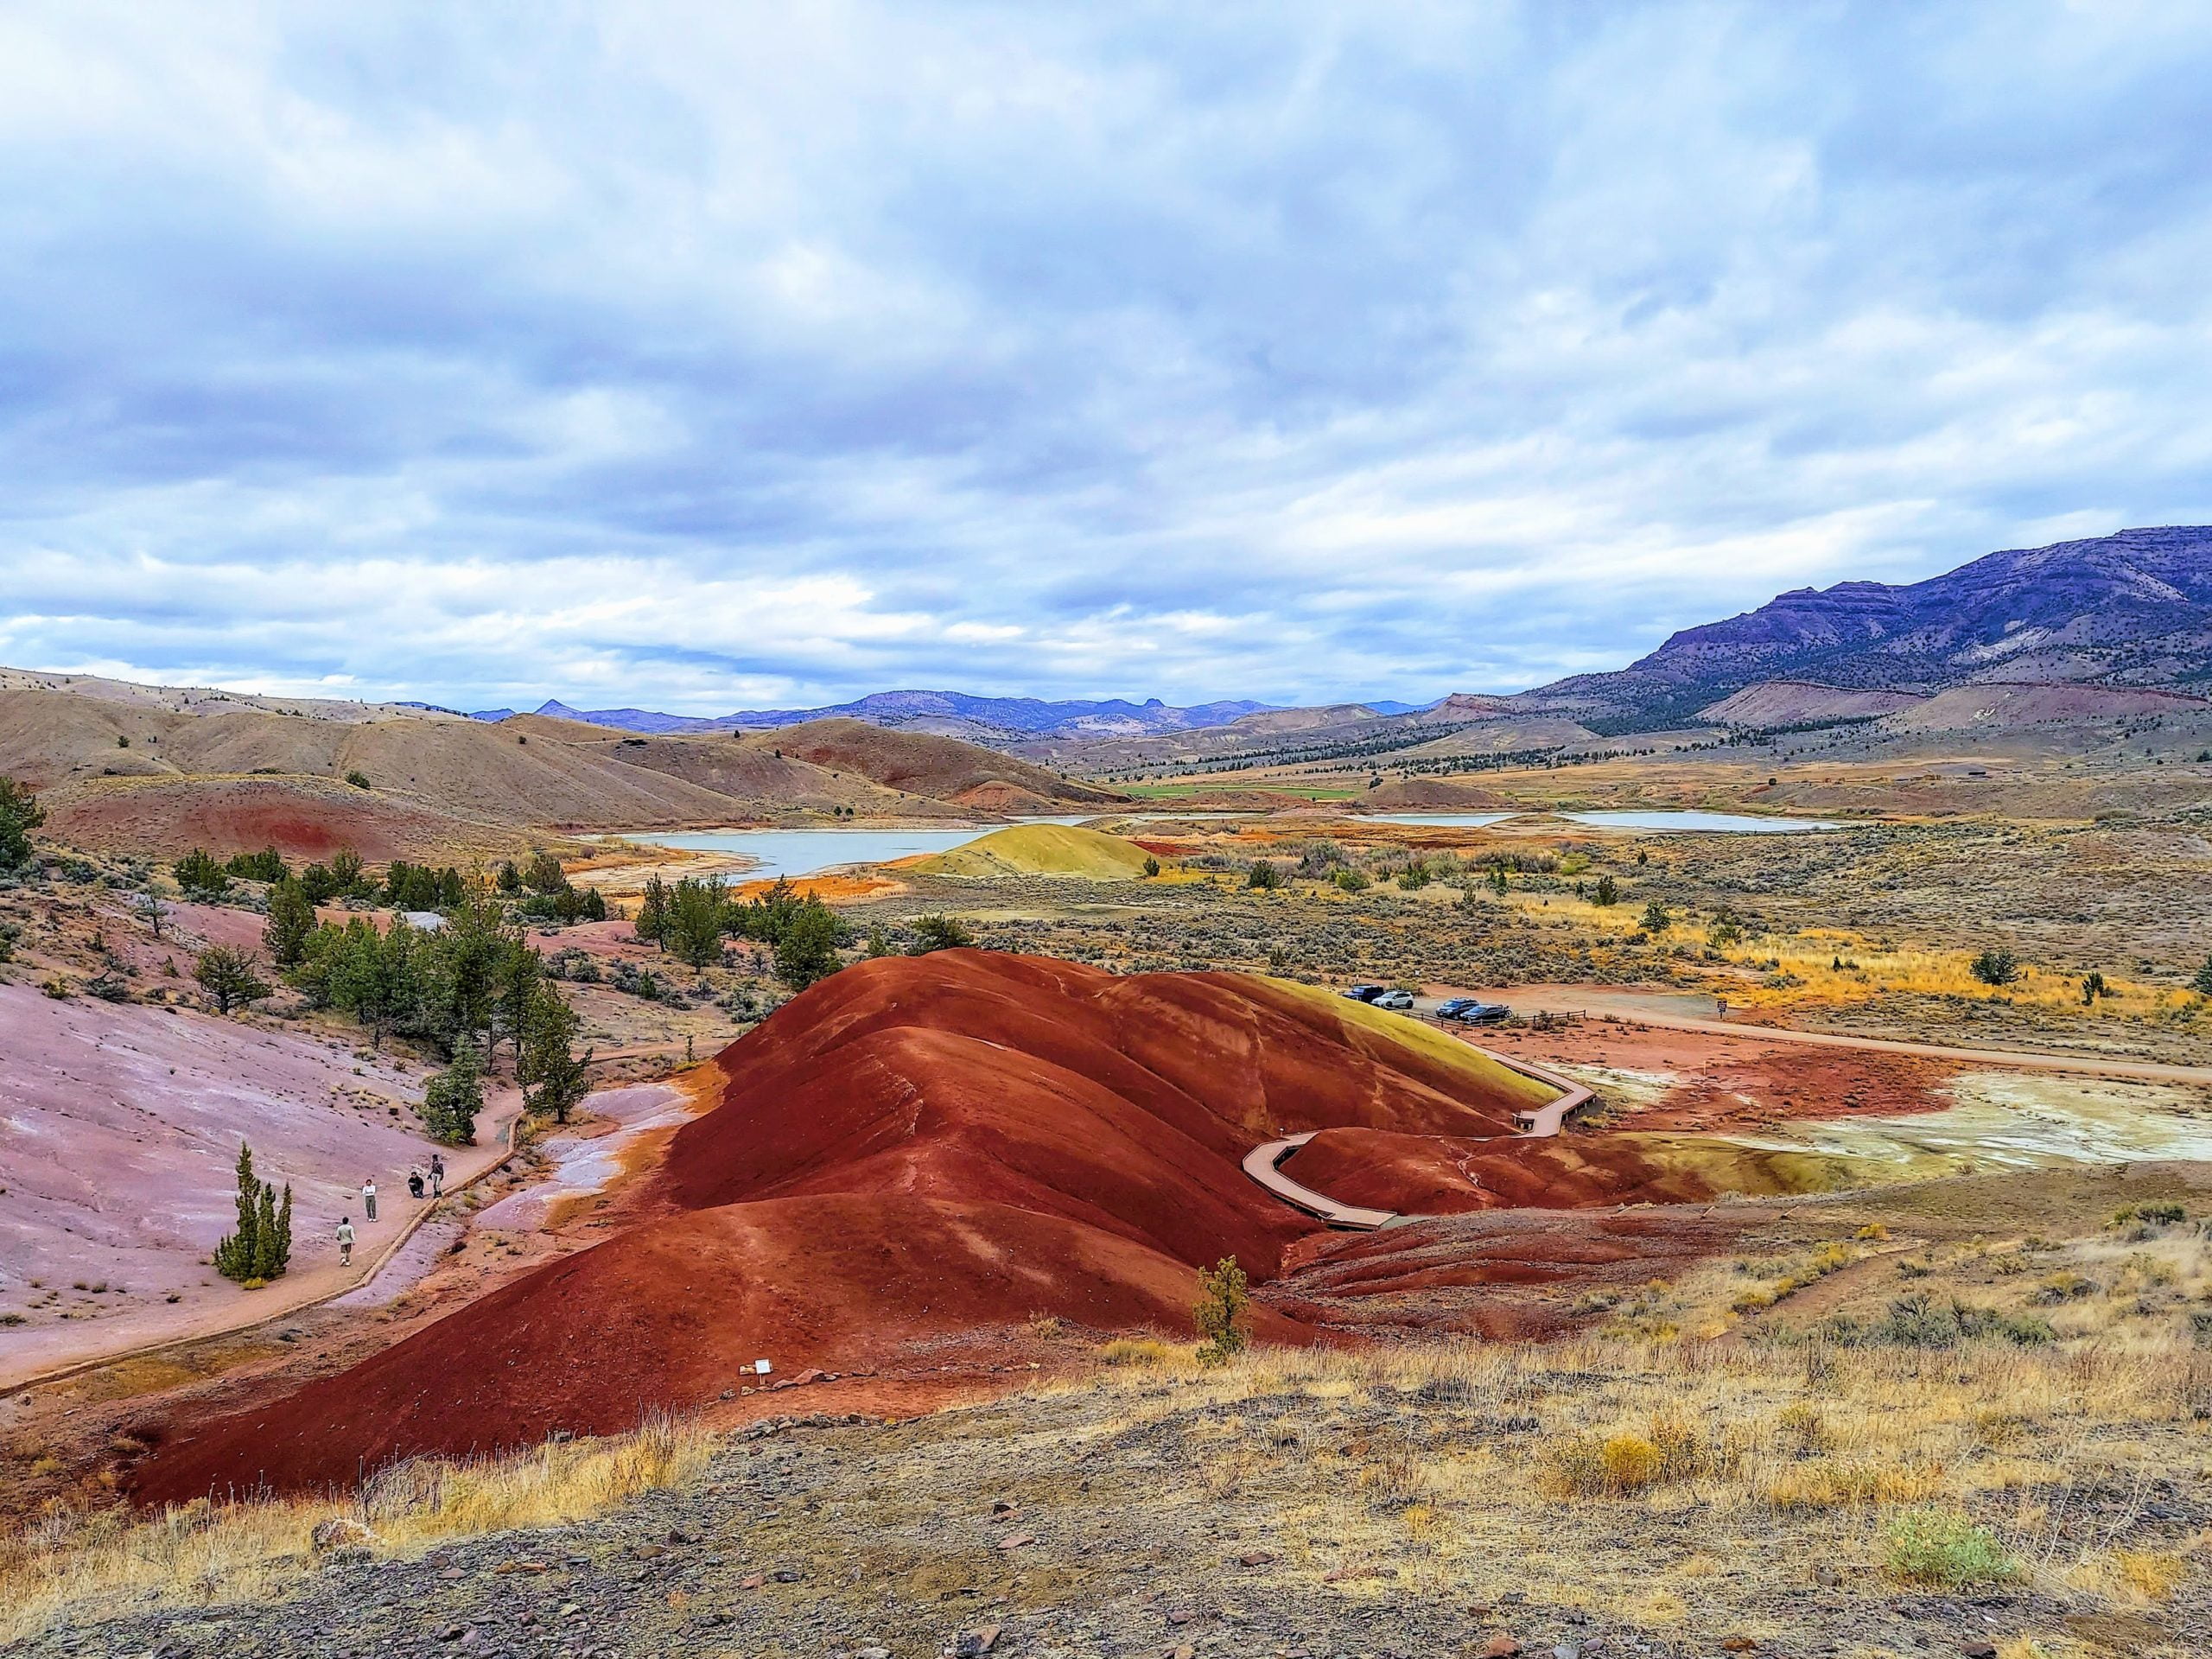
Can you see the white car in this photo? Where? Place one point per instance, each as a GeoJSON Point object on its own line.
{"type": "Point", "coordinates": [1396, 1001]}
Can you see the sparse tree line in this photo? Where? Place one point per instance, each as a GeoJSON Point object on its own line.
{"type": "Point", "coordinates": [464, 988]}
{"type": "Point", "coordinates": [691, 918]}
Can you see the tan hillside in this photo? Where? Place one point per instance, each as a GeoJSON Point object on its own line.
{"type": "Point", "coordinates": [165, 771]}
{"type": "Point", "coordinates": [941, 767]}
{"type": "Point", "coordinates": [1785, 702]}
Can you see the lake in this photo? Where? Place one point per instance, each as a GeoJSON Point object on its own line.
{"type": "Point", "coordinates": [810, 852]}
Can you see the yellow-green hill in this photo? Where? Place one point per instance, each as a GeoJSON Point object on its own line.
{"type": "Point", "coordinates": [1376, 1031]}
{"type": "Point", "coordinates": [1040, 849]}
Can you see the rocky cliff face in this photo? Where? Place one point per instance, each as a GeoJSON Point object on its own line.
{"type": "Point", "coordinates": [2133, 608]}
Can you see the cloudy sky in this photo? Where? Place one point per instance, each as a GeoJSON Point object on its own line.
{"type": "Point", "coordinates": [716, 356]}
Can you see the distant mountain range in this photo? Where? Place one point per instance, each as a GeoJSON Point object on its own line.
{"type": "Point", "coordinates": [949, 714]}
{"type": "Point", "coordinates": [2130, 609]}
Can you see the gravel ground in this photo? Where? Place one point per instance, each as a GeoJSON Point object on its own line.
{"type": "Point", "coordinates": [1086, 1524]}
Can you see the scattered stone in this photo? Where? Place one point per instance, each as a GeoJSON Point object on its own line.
{"type": "Point", "coordinates": [1740, 1644]}
{"type": "Point", "coordinates": [752, 1581]}
{"type": "Point", "coordinates": [1017, 1542]}
{"type": "Point", "coordinates": [980, 1640]}
{"type": "Point", "coordinates": [1256, 1558]}
{"type": "Point", "coordinates": [1980, 1650]}
{"type": "Point", "coordinates": [1501, 1646]}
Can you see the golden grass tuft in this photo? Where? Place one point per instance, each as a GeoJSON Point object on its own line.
{"type": "Point", "coordinates": [70, 1565]}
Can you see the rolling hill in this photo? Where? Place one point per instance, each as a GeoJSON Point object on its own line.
{"type": "Point", "coordinates": [158, 770]}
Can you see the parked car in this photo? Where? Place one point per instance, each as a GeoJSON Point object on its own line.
{"type": "Point", "coordinates": [1452, 1007]}
{"type": "Point", "coordinates": [1365, 993]}
{"type": "Point", "coordinates": [1482, 1014]}
{"type": "Point", "coordinates": [1396, 1001]}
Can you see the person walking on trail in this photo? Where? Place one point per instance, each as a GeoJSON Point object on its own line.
{"type": "Point", "coordinates": [369, 1197]}
{"type": "Point", "coordinates": [437, 1175]}
{"type": "Point", "coordinates": [345, 1241]}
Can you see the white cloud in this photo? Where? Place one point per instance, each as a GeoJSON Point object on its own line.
{"type": "Point", "coordinates": [716, 356]}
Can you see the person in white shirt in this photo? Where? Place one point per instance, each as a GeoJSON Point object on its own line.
{"type": "Point", "coordinates": [369, 1198]}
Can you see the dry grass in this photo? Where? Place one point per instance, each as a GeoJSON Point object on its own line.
{"type": "Point", "coordinates": [1954, 1467]}
{"type": "Point", "coordinates": [73, 1564]}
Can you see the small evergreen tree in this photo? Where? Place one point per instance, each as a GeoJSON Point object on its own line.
{"type": "Point", "coordinates": [652, 910]}
{"type": "Point", "coordinates": [1656, 918]}
{"type": "Point", "coordinates": [1152, 867]}
{"type": "Point", "coordinates": [1225, 1292]}
{"type": "Point", "coordinates": [2203, 983]}
{"type": "Point", "coordinates": [1608, 892]}
{"type": "Point", "coordinates": [554, 1077]}
{"type": "Point", "coordinates": [200, 876]}
{"type": "Point", "coordinates": [453, 1098]}
{"type": "Point", "coordinates": [807, 952]}
{"type": "Point", "coordinates": [20, 814]}
{"type": "Point", "coordinates": [261, 1247]}
{"type": "Point", "coordinates": [228, 975]}
{"type": "Point", "coordinates": [291, 919]}
{"type": "Point", "coordinates": [696, 915]}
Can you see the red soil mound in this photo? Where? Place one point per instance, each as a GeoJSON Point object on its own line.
{"type": "Point", "coordinates": [667, 1314]}
{"type": "Point", "coordinates": [1425, 1175]}
{"type": "Point", "coordinates": [916, 1149]}
{"type": "Point", "coordinates": [301, 818]}
{"type": "Point", "coordinates": [1124, 1102]}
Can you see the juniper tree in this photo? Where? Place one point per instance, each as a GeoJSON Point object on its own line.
{"type": "Point", "coordinates": [453, 1098]}
{"type": "Point", "coordinates": [291, 919]}
{"type": "Point", "coordinates": [227, 975]}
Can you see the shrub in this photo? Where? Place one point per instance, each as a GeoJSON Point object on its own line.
{"type": "Point", "coordinates": [1136, 1350]}
{"type": "Point", "coordinates": [1918, 1321]}
{"type": "Point", "coordinates": [1656, 918]}
{"type": "Point", "coordinates": [1608, 892]}
{"type": "Point", "coordinates": [359, 778]}
{"type": "Point", "coordinates": [1152, 867]}
{"type": "Point", "coordinates": [940, 933]}
{"type": "Point", "coordinates": [200, 876]}
{"type": "Point", "coordinates": [1263, 875]}
{"type": "Point", "coordinates": [267, 865]}
{"type": "Point", "coordinates": [1356, 881]}
{"type": "Point", "coordinates": [228, 975]}
{"type": "Point", "coordinates": [1224, 1294]}
{"type": "Point", "coordinates": [1995, 968]}
{"type": "Point", "coordinates": [1943, 1549]}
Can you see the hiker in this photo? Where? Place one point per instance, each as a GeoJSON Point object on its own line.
{"type": "Point", "coordinates": [369, 1196]}
{"type": "Point", "coordinates": [345, 1241]}
{"type": "Point", "coordinates": [437, 1175]}
{"type": "Point", "coordinates": [415, 1183]}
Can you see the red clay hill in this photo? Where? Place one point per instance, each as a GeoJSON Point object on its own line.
{"type": "Point", "coordinates": [914, 1149]}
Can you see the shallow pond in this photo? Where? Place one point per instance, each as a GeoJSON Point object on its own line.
{"type": "Point", "coordinates": [810, 852]}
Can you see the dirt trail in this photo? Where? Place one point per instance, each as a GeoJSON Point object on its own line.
{"type": "Point", "coordinates": [1568, 999]}
{"type": "Point", "coordinates": [398, 1217]}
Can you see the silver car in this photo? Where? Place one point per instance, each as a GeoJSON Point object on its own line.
{"type": "Point", "coordinates": [1396, 1001]}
